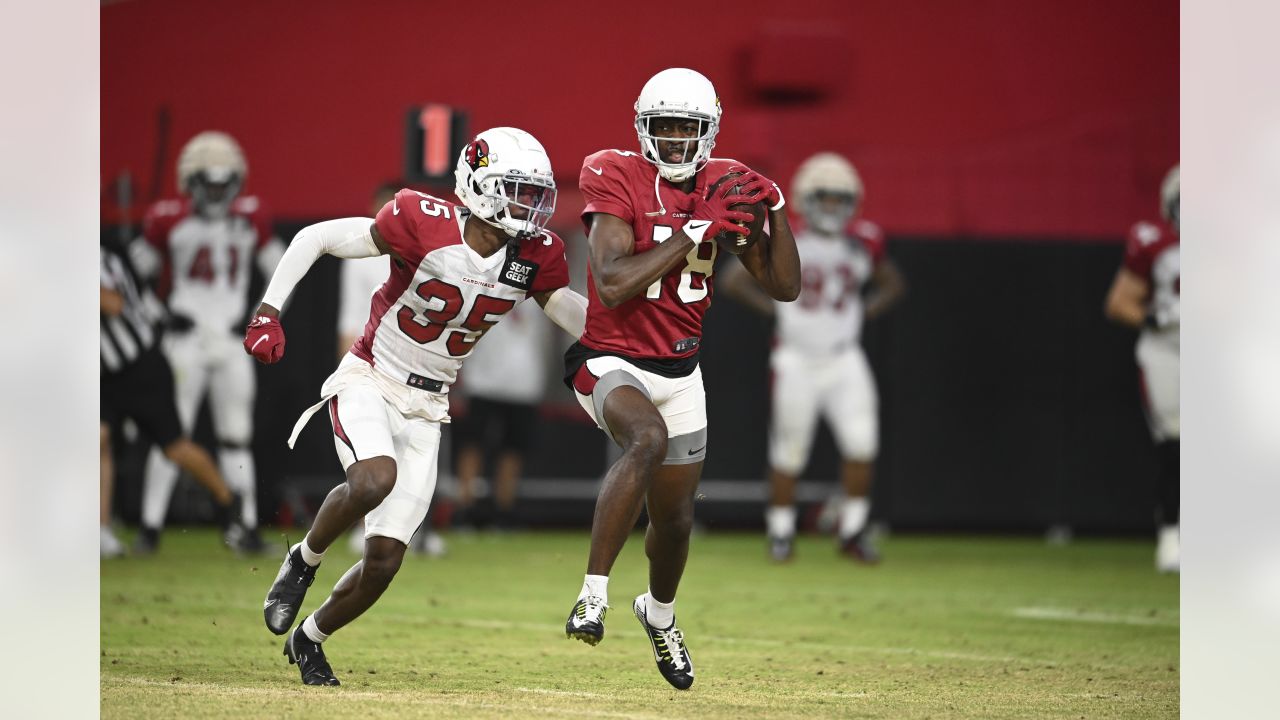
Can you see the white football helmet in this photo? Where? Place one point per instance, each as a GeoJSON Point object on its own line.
{"type": "Point", "coordinates": [829, 190]}
{"type": "Point", "coordinates": [504, 178]}
{"type": "Point", "coordinates": [678, 93]}
{"type": "Point", "coordinates": [1170, 196]}
{"type": "Point", "coordinates": [211, 169]}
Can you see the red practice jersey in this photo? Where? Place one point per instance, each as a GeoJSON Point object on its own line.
{"type": "Point", "coordinates": [664, 323]}
{"type": "Point", "coordinates": [433, 308]}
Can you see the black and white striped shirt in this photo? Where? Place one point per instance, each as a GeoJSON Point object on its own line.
{"type": "Point", "coordinates": [125, 337]}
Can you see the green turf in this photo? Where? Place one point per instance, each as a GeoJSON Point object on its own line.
{"type": "Point", "coordinates": [945, 628]}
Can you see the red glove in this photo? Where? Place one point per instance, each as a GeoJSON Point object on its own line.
{"type": "Point", "coordinates": [715, 210]}
{"type": "Point", "coordinates": [264, 339]}
{"type": "Point", "coordinates": [753, 182]}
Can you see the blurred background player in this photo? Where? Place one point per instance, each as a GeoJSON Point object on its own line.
{"type": "Point", "coordinates": [202, 246]}
{"type": "Point", "coordinates": [455, 271]}
{"type": "Point", "coordinates": [819, 368]}
{"type": "Point", "coordinates": [504, 380]}
{"type": "Point", "coordinates": [1145, 295]}
{"type": "Point", "coordinates": [652, 226]}
{"type": "Point", "coordinates": [358, 280]}
{"type": "Point", "coordinates": [137, 383]}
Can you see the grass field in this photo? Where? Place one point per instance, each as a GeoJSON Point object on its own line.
{"type": "Point", "coordinates": [946, 628]}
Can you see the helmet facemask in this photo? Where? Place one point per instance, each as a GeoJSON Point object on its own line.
{"type": "Point", "coordinates": [521, 206]}
{"type": "Point", "coordinates": [827, 212]}
{"type": "Point", "coordinates": [696, 149]}
{"type": "Point", "coordinates": [213, 190]}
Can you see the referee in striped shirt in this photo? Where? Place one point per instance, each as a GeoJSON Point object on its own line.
{"type": "Point", "coordinates": [137, 383]}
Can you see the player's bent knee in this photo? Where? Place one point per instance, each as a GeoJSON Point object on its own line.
{"type": "Point", "coordinates": [649, 442]}
{"type": "Point", "coordinates": [380, 569]}
{"type": "Point", "coordinates": [370, 481]}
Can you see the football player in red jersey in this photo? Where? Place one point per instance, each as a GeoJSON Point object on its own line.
{"type": "Point", "coordinates": [1146, 295]}
{"type": "Point", "coordinates": [651, 226]}
{"type": "Point", "coordinates": [454, 272]}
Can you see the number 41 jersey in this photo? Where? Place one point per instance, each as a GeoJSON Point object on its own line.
{"type": "Point", "coordinates": [664, 323]}
{"type": "Point", "coordinates": [433, 308]}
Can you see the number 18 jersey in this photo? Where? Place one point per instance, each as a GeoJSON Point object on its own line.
{"type": "Point", "coordinates": [663, 323]}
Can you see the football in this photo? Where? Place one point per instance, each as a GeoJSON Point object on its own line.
{"type": "Point", "coordinates": [733, 242]}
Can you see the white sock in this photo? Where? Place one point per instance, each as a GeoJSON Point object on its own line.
{"type": "Point", "coordinates": [237, 467]}
{"type": "Point", "coordinates": [310, 629]}
{"type": "Point", "coordinates": [597, 585]}
{"type": "Point", "coordinates": [658, 614]}
{"type": "Point", "coordinates": [780, 521]}
{"type": "Point", "coordinates": [853, 516]}
{"type": "Point", "coordinates": [309, 556]}
{"type": "Point", "coordinates": [157, 488]}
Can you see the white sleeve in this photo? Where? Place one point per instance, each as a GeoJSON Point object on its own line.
{"type": "Point", "coordinates": [345, 238]}
{"type": "Point", "coordinates": [567, 309]}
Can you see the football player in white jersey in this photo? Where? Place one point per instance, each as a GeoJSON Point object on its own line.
{"type": "Point", "coordinates": [201, 247]}
{"type": "Point", "coordinates": [455, 271]}
{"type": "Point", "coordinates": [819, 369]}
{"type": "Point", "coordinates": [1145, 295]}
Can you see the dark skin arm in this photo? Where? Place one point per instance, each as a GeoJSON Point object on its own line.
{"type": "Point", "coordinates": [735, 282]}
{"type": "Point", "coordinates": [774, 261]}
{"type": "Point", "coordinates": [888, 287]}
{"type": "Point", "coordinates": [383, 248]}
{"type": "Point", "coordinates": [619, 274]}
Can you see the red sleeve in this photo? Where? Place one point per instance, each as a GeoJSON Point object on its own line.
{"type": "Point", "coordinates": [1139, 247]}
{"type": "Point", "coordinates": [872, 237]}
{"type": "Point", "coordinates": [603, 181]}
{"type": "Point", "coordinates": [252, 208]}
{"type": "Point", "coordinates": [553, 266]}
{"type": "Point", "coordinates": [399, 228]}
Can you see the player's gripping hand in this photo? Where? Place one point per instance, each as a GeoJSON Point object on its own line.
{"type": "Point", "coordinates": [264, 339]}
{"type": "Point", "coordinates": [712, 216]}
{"type": "Point", "coordinates": [753, 182]}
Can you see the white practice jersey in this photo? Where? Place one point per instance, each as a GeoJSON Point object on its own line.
{"type": "Point", "coordinates": [511, 363]}
{"type": "Point", "coordinates": [205, 262]}
{"type": "Point", "coordinates": [828, 314]}
{"type": "Point", "coordinates": [1152, 252]}
{"type": "Point", "coordinates": [428, 315]}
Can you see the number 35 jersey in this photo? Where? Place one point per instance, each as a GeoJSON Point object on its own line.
{"type": "Point", "coordinates": [663, 323]}
{"type": "Point", "coordinates": [433, 308]}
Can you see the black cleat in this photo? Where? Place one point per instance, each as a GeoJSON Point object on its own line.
{"type": "Point", "coordinates": [245, 539]}
{"type": "Point", "coordinates": [781, 549]}
{"type": "Point", "coordinates": [310, 659]}
{"type": "Point", "coordinates": [586, 620]}
{"type": "Point", "coordinates": [859, 548]}
{"type": "Point", "coordinates": [668, 649]}
{"type": "Point", "coordinates": [147, 542]}
{"type": "Point", "coordinates": [284, 599]}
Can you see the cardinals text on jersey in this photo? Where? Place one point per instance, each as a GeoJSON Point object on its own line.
{"type": "Point", "coordinates": [428, 315]}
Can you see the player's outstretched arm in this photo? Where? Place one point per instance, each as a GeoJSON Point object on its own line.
{"type": "Point", "coordinates": [888, 287]}
{"type": "Point", "coordinates": [345, 238]}
{"type": "Point", "coordinates": [566, 308]}
{"type": "Point", "coordinates": [1127, 299]}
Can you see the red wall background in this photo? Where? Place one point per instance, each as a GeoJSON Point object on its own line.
{"type": "Point", "coordinates": [985, 118]}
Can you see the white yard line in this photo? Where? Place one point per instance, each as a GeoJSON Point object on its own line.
{"type": "Point", "coordinates": [1068, 615]}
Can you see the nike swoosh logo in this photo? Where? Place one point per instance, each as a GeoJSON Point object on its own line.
{"type": "Point", "coordinates": [269, 603]}
{"type": "Point", "coordinates": [258, 342]}
{"type": "Point", "coordinates": [695, 452]}
{"type": "Point", "coordinates": [577, 623]}
{"type": "Point", "coordinates": [395, 206]}
{"type": "Point", "coordinates": [598, 172]}
{"type": "Point", "coordinates": [698, 225]}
